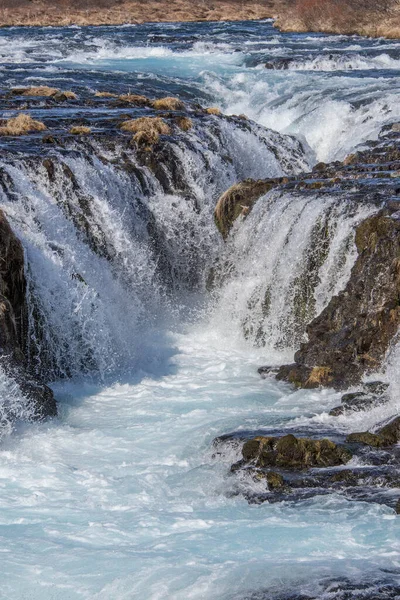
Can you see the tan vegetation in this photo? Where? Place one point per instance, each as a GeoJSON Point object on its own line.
{"type": "Point", "coordinates": [319, 376]}
{"type": "Point", "coordinates": [114, 12]}
{"type": "Point", "coordinates": [184, 123]}
{"type": "Point", "coordinates": [80, 130]}
{"type": "Point", "coordinates": [20, 125]}
{"type": "Point", "coordinates": [105, 95]}
{"type": "Point", "coordinates": [366, 17]}
{"type": "Point", "coordinates": [168, 103]}
{"type": "Point", "coordinates": [135, 99]}
{"type": "Point", "coordinates": [45, 92]}
{"type": "Point", "coordinates": [146, 130]}
{"type": "Point", "coordinates": [213, 110]}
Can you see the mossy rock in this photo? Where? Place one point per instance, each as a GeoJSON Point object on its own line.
{"type": "Point", "coordinates": [366, 438]}
{"type": "Point", "coordinates": [289, 452]}
{"type": "Point", "coordinates": [275, 480]}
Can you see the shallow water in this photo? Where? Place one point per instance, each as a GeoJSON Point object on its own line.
{"type": "Point", "coordinates": [122, 497]}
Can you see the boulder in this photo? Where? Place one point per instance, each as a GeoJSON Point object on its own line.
{"type": "Point", "coordinates": [292, 453]}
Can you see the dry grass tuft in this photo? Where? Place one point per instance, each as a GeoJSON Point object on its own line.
{"type": "Point", "coordinates": [80, 130]}
{"type": "Point", "coordinates": [168, 103]}
{"type": "Point", "coordinates": [146, 124]}
{"type": "Point", "coordinates": [21, 125]}
{"type": "Point", "coordinates": [213, 110]}
{"type": "Point", "coordinates": [184, 123]}
{"type": "Point", "coordinates": [147, 130]}
{"type": "Point", "coordinates": [105, 95]}
{"type": "Point", "coordinates": [45, 91]}
{"type": "Point", "coordinates": [319, 376]}
{"type": "Point", "coordinates": [146, 139]}
{"type": "Point", "coordinates": [135, 99]}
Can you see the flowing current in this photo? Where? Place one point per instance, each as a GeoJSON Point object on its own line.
{"type": "Point", "coordinates": [151, 328]}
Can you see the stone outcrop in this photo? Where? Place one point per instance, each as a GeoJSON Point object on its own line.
{"type": "Point", "coordinates": [292, 453]}
{"type": "Point", "coordinates": [385, 436]}
{"type": "Point", "coordinates": [352, 335]}
{"type": "Point", "coordinates": [12, 323]}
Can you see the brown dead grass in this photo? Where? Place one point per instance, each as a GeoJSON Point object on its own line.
{"type": "Point", "coordinates": [319, 376]}
{"type": "Point", "coordinates": [146, 124]}
{"type": "Point", "coordinates": [135, 99]}
{"type": "Point", "coordinates": [105, 95]}
{"type": "Point", "coordinates": [115, 12]}
{"type": "Point", "coordinates": [146, 130]}
{"type": "Point", "coordinates": [184, 123]}
{"type": "Point", "coordinates": [21, 125]}
{"type": "Point", "coordinates": [374, 18]}
{"type": "Point", "coordinates": [45, 91]}
{"type": "Point", "coordinates": [213, 110]}
{"type": "Point", "coordinates": [168, 103]}
{"type": "Point", "coordinates": [80, 130]}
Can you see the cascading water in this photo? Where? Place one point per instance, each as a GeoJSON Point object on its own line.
{"type": "Point", "coordinates": [129, 282]}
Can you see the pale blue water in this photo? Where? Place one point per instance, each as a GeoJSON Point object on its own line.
{"type": "Point", "coordinates": [121, 497]}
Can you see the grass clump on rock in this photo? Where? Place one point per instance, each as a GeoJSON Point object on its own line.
{"type": "Point", "coordinates": [136, 99]}
{"type": "Point", "coordinates": [80, 130]}
{"type": "Point", "coordinates": [184, 123]}
{"type": "Point", "coordinates": [213, 110]}
{"type": "Point", "coordinates": [168, 103]}
{"type": "Point", "coordinates": [21, 125]}
{"type": "Point", "coordinates": [45, 91]}
{"type": "Point", "coordinates": [105, 95]}
{"type": "Point", "coordinates": [146, 130]}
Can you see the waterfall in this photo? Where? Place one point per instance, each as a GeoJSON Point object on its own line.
{"type": "Point", "coordinates": [283, 263]}
{"type": "Point", "coordinates": [119, 245]}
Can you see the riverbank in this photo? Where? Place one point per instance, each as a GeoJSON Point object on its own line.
{"type": "Point", "coordinates": [379, 19]}
{"type": "Point", "coordinates": [70, 12]}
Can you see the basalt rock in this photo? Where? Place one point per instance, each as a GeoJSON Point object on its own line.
{"type": "Point", "coordinates": [12, 324]}
{"type": "Point", "coordinates": [353, 333]}
{"type": "Point", "coordinates": [385, 436]}
{"type": "Point", "coordinates": [292, 453]}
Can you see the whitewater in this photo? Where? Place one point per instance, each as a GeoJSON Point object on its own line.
{"type": "Point", "coordinates": [125, 495]}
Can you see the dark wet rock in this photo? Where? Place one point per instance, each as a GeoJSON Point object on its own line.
{"type": "Point", "coordinates": [12, 324]}
{"type": "Point", "coordinates": [375, 387]}
{"type": "Point", "coordinates": [290, 452]}
{"type": "Point", "coordinates": [352, 334]}
{"type": "Point", "coordinates": [372, 395]}
{"type": "Point", "coordinates": [267, 371]}
{"type": "Point", "coordinates": [397, 508]}
{"type": "Point", "coordinates": [385, 436]}
{"type": "Point", "coordinates": [364, 437]}
{"type": "Point", "coordinates": [390, 433]}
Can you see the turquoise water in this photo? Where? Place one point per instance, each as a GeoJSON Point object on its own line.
{"type": "Point", "coordinates": [125, 496]}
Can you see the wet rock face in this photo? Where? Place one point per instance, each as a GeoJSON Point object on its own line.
{"type": "Point", "coordinates": [290, 452]}
{"type": "Point", "coordinates": [12, 323]}
{"type": "Point", "coordinates": [385, 436]}
{"type": "Point", "coordinates": [351, 336]}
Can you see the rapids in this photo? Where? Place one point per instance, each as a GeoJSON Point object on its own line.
{"type": "Point", "coordinates": [124, 496]}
